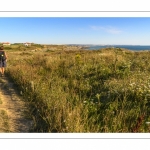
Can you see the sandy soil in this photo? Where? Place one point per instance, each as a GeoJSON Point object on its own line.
{"type": "Point", "coordinates": [15, 108]}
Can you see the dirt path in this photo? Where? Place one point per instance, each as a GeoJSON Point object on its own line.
{"type": "Point", "coordinates": [14, 107]}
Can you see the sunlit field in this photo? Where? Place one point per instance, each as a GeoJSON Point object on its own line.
{"type": "Point", "coordinates": [83, 91]}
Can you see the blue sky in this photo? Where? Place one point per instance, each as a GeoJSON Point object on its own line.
{"type": "Point", "coordinates": [76, 30]}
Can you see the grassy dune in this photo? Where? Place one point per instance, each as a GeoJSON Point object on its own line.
{"type": "Point", "coordinates": [84, 91]}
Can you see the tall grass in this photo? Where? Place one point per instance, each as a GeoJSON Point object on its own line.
{"type": "Point", "coordinates": [84, 91]}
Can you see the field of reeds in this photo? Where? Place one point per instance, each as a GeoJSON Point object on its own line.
{"type": "Point", "coordinates": [83, 91]}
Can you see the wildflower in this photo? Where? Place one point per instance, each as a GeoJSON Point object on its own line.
{"type": "Point", "coordinates": [84, 102]}
{"type": "Point", "coordinates": [78, 56]}
{"type": "Point", "coordinates": [131, 84]}
{"type": "Point", "coordinates": [98, 96]}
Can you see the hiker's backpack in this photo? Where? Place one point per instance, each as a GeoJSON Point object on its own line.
{"type": "Point", "coordinates": [2, 56]}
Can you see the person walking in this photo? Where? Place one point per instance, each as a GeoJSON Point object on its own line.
{"type": "Point", "coordinates": [3, 60]}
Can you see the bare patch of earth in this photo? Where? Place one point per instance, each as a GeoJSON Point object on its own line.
{"type": "Point", "coordinates": [14, 110]}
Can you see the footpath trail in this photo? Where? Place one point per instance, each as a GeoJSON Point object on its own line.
{"type": "Point", "coordinates": [13, 109]}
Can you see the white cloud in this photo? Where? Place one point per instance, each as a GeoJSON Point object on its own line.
{"type": "Point", "coordinates": [108, 29]}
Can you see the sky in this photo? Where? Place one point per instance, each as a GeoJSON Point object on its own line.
{"type": "Point", "coordinates": [76, 30]}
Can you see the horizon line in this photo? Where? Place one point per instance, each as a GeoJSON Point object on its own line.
{"type": "Point", "coordinates": [78, 44]}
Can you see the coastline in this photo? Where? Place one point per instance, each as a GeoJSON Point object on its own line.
{"type": "Point", "coordinates": [129, 47]}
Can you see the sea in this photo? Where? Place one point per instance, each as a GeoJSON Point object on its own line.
{"type": "Point", "coordinates": [129, 47]}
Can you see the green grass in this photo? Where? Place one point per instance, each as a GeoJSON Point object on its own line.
{"type": "Point", "coordinates": [85, 91]}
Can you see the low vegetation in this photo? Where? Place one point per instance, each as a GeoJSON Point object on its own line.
{"type": "Point", "coordinates": [84, 91]}
{"type": "Point", "coordinates": [4, 121]}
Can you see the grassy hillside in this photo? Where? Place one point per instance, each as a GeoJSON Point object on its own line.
{"type": "Point", "coordinates": [84, 91]}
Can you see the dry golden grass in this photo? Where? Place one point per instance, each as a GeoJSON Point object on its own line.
{"type": "Point", "coordinates": [84, 91]}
